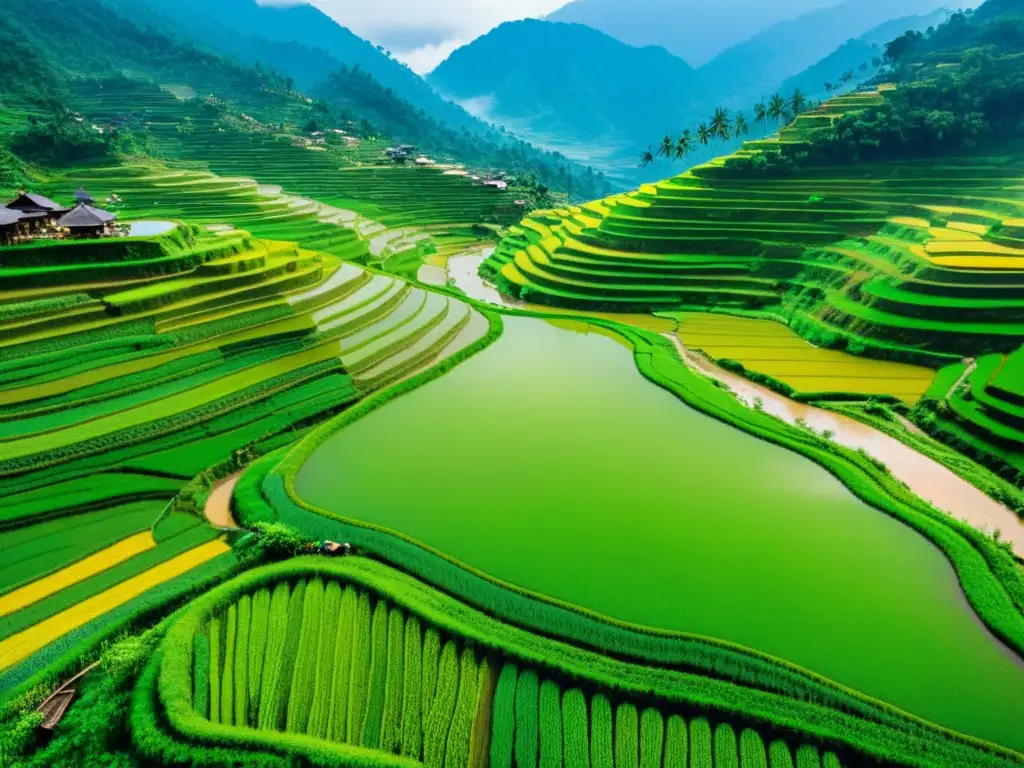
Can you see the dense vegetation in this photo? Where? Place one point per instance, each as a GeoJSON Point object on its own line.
{"type": "Point", "coordinates": [66, 41]}
{"type": "Point", "coordinates": [142, 377]}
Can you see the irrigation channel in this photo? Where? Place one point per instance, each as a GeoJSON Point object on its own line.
{"type": "Point", "coordinates": [547, 457]}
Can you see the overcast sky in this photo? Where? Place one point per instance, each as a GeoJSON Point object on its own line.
{"type": "Point", "coordinates": [423, 32]}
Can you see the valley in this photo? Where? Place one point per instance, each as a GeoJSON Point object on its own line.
{"type": "Point", "coordinates": [341, 427]}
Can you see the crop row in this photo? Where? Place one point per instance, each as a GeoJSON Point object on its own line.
{"type": "Point", "coordinates": [548, 704]}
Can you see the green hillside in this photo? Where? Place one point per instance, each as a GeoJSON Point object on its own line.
{"type": "Point", "coordinates": [319, 451]}
{"type": "Point", "coordinates": [70, 40]}
{"type": "Point", "coordinates": [596, 95]}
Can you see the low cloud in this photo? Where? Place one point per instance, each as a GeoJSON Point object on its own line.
{"type": "Point", "coordinates": [423, 33]}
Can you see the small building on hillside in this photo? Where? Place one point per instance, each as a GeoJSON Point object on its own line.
{"type": "Point", "coordinates": [41, 210]}
{"type": "Point", "coordinates": [496, 184]}
{"type": "Point", "coordinates": [85, 221]}
{"type": "Point", "coordinates": [81, 196]}
{"type": "Point", "coordinates": [11, 225]}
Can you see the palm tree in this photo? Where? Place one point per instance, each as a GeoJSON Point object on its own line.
{"type": "Point", "coordinates": [797, 102]}
{"type": "Point", "coordinates": [720, 124]}
{"type": "Point", "coordinates": [667, 147]}
{"type": "Point", "coordinates": [739, 126]}
{"type": "Point", "coordinates": [684, 145]}
{"type": "Point", "coordinates": [776, 107]}
{"type": "Point", "coordinates": [704, 134]}
{"type": "Point", "coordinates": [761, 114]}
{"type": "Point", "coordinates": [646, 157]}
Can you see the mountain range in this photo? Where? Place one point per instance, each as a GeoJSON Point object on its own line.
{"type": "Point", "coordinates": [572, 88]}
{"type": "Point", "coordinates": [696, 30]}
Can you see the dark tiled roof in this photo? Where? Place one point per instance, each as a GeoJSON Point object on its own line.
{"type": "Point", "coordinates": [9, 216]}
{"type": "Point", "coordinates": [31, 201]}
{"type": "Point", "coordinates": [83, 215]}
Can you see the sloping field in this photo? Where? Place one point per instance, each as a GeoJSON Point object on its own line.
{"type": "Point", "coordinates": [914, 260]}
{"type": "Point", "coordinates": [352, 661]}
{"type": "Point", "coordinates": [771, 348]}
{"type": "Point", "coordinates": [132, 365]}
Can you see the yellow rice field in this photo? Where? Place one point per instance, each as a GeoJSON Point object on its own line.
{"type": "Point", "coordinates": [771, 348]}
{"type": "Point", "coordinates": [24, 644]}
{"type": "Point", "coordinates": [80, 571]}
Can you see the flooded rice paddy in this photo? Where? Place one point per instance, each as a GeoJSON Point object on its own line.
{"type": "Point", "coordinates": [549, 462]}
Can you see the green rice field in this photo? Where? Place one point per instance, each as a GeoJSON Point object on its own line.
{"type": "Point", "coordinates": [826, 562]}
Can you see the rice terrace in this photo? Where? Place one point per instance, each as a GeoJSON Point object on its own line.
{"type": "Point", "coordinates": [363, 408]}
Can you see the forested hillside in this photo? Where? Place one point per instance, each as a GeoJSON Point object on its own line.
{"type": "Point", "coordinates": [51, 50]}
{"type": "Point", "coordinates": [596, 94]}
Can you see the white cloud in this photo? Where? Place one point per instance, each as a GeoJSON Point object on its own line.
{"type": "Point", "coordinates": [423, 32]}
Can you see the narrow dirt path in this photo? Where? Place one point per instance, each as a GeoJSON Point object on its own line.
{"type": "Point", "coordinates": [218, 504]}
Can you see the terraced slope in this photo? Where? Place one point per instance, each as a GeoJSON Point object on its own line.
{"type": "Point", "coordinates": [923, 261]}
{"type": "Point", "coordinates": [354, 662]}
{"type": "Point", "coordinates": [980, 410]}
{"type": "Point", "coordinates": [131, 366]}
{"type": "Point", "coordinates": [241, 145]}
